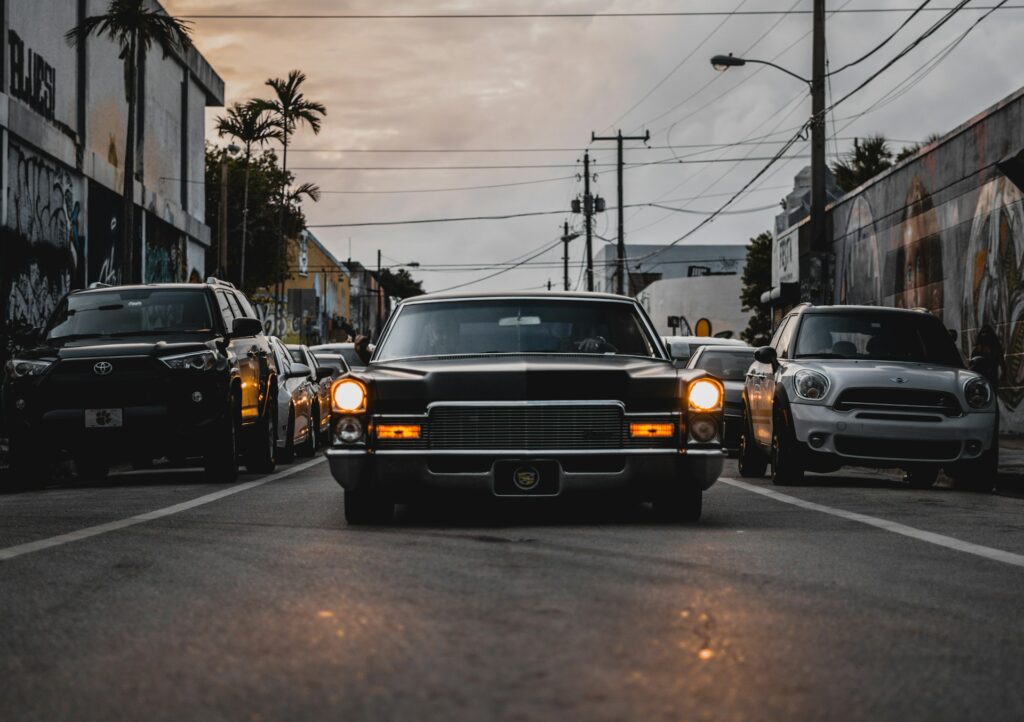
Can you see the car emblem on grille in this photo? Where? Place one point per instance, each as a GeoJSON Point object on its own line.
{"type": "Point", "coordinates": [103, 368]}
{"type": "Point", "coordinates": [898, 380]}
{"type": "Point", "coordinates": [526, 477]}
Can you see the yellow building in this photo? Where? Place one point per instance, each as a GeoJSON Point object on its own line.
{"type": "Point", "coordinates": [317, 294]}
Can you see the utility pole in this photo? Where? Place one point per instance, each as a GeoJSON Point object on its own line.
{"type": "Point", "coordinates": [588, 212]}
{"type": "Point", "coordinates": [819, 171]}
{"type": "Point", "coordinates": [380, 297]}
{"type": "Point", "coordinates": [620, 282]}
{"type": "Point", "coordinates": [565, 255]}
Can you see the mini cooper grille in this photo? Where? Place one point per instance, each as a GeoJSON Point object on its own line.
{"type": "Point", "coordinates": [874, 448]}
{"type": "Point", "coordinates": [526, 427]}
{"type": "Point", "coordinates": [898, 401]}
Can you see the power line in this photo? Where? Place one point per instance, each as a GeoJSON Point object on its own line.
{"type": "Point", "coordinates": [687, 160]}
{"type": "Point", "coordinates": [544, 250]}
{"type": "Point", "coordinates": [920, 8]}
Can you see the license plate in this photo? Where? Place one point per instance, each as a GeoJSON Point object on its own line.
{"type": "Point", "coordinates": [103, 418]}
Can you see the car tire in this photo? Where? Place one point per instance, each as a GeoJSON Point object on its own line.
{"type": "Point", "coordinates": [89, 468]}
{"type": "Point", "coordinates": [314, 430]}
{"type": "Point", "coordinates": [787, 468]}
{"type": "Point", "coordinates": [260, 457]}
{"type": "Point", "coordinates": [367, 506]}
{"type": "Point", "coordinates": [979, 474]}
{"type": "Point", "coordinates": [921, 477]}
{"type": "Point", "coordinates": [752, 461]}
{"type": "Point", "coordinates": [680, 504]}
{"type": "Point", "coordinates": [287, 454]}
{"type": "Point", "coordinates": [220, 463]}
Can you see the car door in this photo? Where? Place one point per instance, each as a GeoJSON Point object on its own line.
{"type": "Point", "coordinates": [241, 349]}
{"type": "Point", "coordinates": [322, 387]}
{"type": "Point", "coordinates": [772, 375]}
{"type": "Point", "coordinates": [760, 387]}
{"type": "Point", "coordinates": [260, 349]}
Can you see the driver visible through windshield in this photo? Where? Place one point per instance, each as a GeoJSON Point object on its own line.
{"type": "Point", "coordinates": [512, 326]}
{"type": "Point", "coordinates": [878, 336]}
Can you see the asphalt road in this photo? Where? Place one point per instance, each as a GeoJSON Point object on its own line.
{"type": "Point", "coordinates": [851, 598]}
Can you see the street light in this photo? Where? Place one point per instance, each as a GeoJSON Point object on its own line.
{"type": "Point", "coordinates": [724, 62]}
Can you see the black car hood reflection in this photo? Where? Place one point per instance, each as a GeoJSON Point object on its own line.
{"type": "Point", "coordinates": [122, 346]}
{"type": "Point", "coordinates": [409, 385]}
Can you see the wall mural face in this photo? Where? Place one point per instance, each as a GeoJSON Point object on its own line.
{"type": "Point", "coordinates": [43, 207]}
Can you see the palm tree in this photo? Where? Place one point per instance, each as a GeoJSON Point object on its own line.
{"type": "Point", "coordinates": [289, 109]}
{"type": "Point", "coordinates": [868, 158]}
{"type": "Point", "coordinates": [250, 125]}
{"type": "Point", "coordinates": [135, 27]}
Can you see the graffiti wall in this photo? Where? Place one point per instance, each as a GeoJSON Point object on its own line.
{"type": "Point", "coordinates": [166, 254]}
{"type": "Point", "coordinates": [945, 232]}
{"type": "Point", "coordinates": [45, 246]}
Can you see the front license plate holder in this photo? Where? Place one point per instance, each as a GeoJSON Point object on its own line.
{"type": "Point", "coordinates": [104, 418]}
{"type": "Point", "coordinates": [527, 477]}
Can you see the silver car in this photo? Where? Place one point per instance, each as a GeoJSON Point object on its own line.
{"type": "Point", "coordinates": [321, 376]}
{"type": "Point", "coordinates": [729, 365]}
{"type": "Point", "coordinates": [295, 397]}
{"type": "Point", "coordinates": [681, 348]}
{"type": "Point", "coordinates": [867, 386]}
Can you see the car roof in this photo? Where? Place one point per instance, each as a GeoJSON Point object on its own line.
{"type": "Point", "coordinates": [705, 340]}
{"type": "Point", "coordinates": [722, 348]}
{"type": "Point", "coordinates": [865, 309]}
{"type": "Point", "coordinates": [138, 286]}
{"type": "Point", "coordinates": [574, 295]}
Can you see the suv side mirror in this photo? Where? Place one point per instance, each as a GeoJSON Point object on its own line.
{"type": "Point", "coordinates": [323, 373]}
{"type": "Point", "coordinates": [299, 371]}
{"type": "Point", "coordinates": [245, 327]}
{"type": "Point", "coordinates": [766, 355]}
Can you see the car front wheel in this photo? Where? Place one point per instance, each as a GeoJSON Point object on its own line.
{"type": "Point", "coordinates": [260, 455]}
{"type": "Point", "coordinates": [752, 461]}
{"type": "Point", "coordinates": [220, 462]}
{"type": "Point", "coordinates": [787, 468]}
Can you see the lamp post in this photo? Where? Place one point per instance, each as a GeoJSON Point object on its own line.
{"type": "Point", "coordinates": [819, 170]}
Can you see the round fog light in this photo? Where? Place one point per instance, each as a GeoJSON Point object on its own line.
{"type": "Point", "coordinates": [197, 396]}
{"type": "Point", "coordinates": [973, 447]}
{"type": "Point", "coordinates": [20, 404]}
{"type": "Point", "coordinates": [816, 440]}
{"type": "Point", "coordinates": [703, 429]}
{"type": "Point", "coordinates": [350, 430]}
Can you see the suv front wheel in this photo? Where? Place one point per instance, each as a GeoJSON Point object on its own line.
{"type": "Point", "coordinates": [262, 443]}
{"type": "Point", "coordinates": [220, 463]}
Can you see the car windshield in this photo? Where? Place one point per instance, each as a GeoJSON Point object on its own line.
{"type": "Point", "coordinates": [131, 311]}
{"type": "Point", "coordinates": [296, 355]}
{"type": "Point", "coordinates": [878, 336]}
{"type": "Point", "coordinates": [332, 361]}
{"type": "Point", "coordinates": [516, 326]}
{"type": "Point", "coordinates": [725, 365]}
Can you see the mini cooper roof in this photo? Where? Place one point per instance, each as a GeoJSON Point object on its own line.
{"type": "Point", "coordinates": [810, 308]}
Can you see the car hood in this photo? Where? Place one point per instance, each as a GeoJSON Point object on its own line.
{"type": "Point", "coordinates": [133, 346]}
{"type": "Point", "coordinates": [408, 386]}
{"type": "Point", "coordinates": [849, 373]}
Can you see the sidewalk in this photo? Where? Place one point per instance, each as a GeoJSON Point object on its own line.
{"type": "Point", "coordinates": [1011, 462]}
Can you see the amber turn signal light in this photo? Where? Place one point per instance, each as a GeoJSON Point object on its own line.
{"type": "Point", "coordinates": [398, 431]}
{"type": "Point", "coordinates": [348, 396]}
{"type": "Point", "coordinates": [652, 431]}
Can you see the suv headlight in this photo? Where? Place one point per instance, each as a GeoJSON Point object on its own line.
{"type": "Point", "coordinates": [810, 385]}
{"type": "Point", "coordinates": [198, 361]}
{"type": "Point", "coordinates": [978, 392]}
{"type": "Point", "coordinates": [19, 368]}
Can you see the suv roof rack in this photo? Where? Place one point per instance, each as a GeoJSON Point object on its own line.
{"type": "Point", "coordinates": [217, 282]}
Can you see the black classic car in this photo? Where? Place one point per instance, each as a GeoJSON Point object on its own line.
{"type": "Point", "coordinates": [523, 395]}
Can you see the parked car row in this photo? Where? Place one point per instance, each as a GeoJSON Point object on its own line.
{"type": "Point", "coordinates": [183, 371]}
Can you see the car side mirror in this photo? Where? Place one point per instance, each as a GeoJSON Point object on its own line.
{"type": "Point", "coordinates": [323, 373]}
{"type": "Point", "coordinates": [978, 364]}
{"type": "Point", "coordinates": [246, 327]}
{"type": "Point", "coordinates": [766, 355]}
{"type": "Point", "coordinates": [299, 371]}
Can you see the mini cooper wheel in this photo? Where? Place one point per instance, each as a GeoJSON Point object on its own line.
{"type": "Point", "coordinates": [786, 465]}
{"type": "Point", "coordinates": [220, 463]}
{"type": "Point", "coordinates": [752, 461]}
{"type": "Point", "coordinates": [287, 454]}
{"type": "Point", "coordinates": [981, 474]}
{"type": "Point", "coordinates": [367, 506]}
{"type": "Point", "coordinates": [680, 503]}
{"type": "Point", "coordinates": [260, 456]}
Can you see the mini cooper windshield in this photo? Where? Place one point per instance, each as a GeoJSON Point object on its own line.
{"type": "Point", "coordinates": [876, 336]}
{"type": "Point", "coordinates": [130, 312]}
{"type": "Point", "coordinates": [517, 326]}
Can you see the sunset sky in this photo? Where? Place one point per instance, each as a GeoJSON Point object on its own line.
{"type": "Point", "coordinates": [546, 83]}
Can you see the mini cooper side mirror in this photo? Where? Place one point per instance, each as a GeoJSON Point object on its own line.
{"type": "Point", "coordinates": [766, 355]}
{"type": "Point", "coordinates": [323, 373]}
{"type": "Point", "coordinates": [978, 364]}
{"type": "Point", "coordinates": [244, 327]}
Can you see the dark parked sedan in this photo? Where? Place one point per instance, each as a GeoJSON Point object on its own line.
{"type": "Point", "coordinates": [526, 395]}
{"type": "Point", "coordinates": [729, 365]}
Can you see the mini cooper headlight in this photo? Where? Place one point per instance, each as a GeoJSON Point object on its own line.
{"type": "Point", "coordinates": [705, 395]}
{"type": "Point", "coordinates": [978, 392]}
{"type": "Point", "coordinates": [198, 361]}
{"type": "Point", "coordinates": [348, 396]}
{"type": "Point", "coordinates": [810, 384]}
{"type": "Point", "coordinates": [19, 368]}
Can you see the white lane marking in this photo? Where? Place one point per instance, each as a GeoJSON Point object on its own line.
{"type": "Point", "coordinates": [941, 540]}
{"type": "Point", "coordinates": [91, 531]}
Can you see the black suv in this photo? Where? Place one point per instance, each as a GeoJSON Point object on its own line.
{"type": "Point", "coordinates": [140, 372]}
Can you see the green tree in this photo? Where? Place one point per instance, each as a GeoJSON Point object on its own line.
{"type": "Point", "coordinates": [250, 125]}
{"type": "Point", "coordinates": [400, 283]}
{"type": "Point", "coordinates": [135, 26]}
{"type": "Point", "coordinates": [757, 278]}
{"type": "Point", "coordinates": [868, 158]}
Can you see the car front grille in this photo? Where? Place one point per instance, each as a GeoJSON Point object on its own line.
{"type": "Point", "coordinates": [74, 384]}
{"type": "Point", "coordinates": [898, 401]}
{"type": "Point", "coordinates": [875, 448]}
{"type": "Point", "coordinates": [527, 427]}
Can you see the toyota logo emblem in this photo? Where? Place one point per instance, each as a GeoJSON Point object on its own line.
{"type": "Point", "coordinates": [103, 368]}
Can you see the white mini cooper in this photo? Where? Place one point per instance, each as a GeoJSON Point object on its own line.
{"type": "Point", "coordinates": [867, 386]}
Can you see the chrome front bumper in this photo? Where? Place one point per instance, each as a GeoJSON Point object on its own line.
{"type": "Point", "coordinates": [845, 435]}
{"type": "Point", "coordinates": [406, 475]}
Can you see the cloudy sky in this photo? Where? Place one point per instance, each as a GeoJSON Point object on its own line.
{"type": "Point", "coordinates": [523, 85]}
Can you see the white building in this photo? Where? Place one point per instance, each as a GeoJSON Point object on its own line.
{"type": "Point", "coordinates": [63, 119]}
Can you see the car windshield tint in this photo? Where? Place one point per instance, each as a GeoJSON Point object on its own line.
{"type": "Point", "coordinates": [127, 312]}
{"type": "Point", "coordinates": [877, 337]}
{"type": "Point", "coordinates": [725, 365]}
{"type": "Point", "coordinates": [489, 326]}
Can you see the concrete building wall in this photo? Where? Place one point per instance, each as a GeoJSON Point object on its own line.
{"type": "Point", "coordinates": [715, 298]}
{"type": "Point", "coordinates": [944, 230]}
{"type": "Point", "coordinates": [678, 261]}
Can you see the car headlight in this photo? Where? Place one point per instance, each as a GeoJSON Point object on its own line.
{"type": "Point", "coordinates": [19, 368]}
{"type": "Point", "coordinates": [705, 395]}
{"type": "Point", "coordinates": [348, 396]}
{"type": "Point", "coordinates": [198, 361]}
{"type": "Point", "coordinates": [978, 392]}
{"type": "Point", "coordinates": [810, 384]}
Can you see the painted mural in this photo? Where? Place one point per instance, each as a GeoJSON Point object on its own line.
{"type": "Point", "coordinates": [166, 254]}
